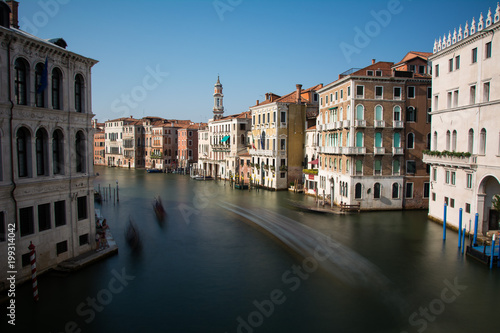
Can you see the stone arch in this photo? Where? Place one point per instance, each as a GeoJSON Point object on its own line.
{"type": "Point", "coordinates": [487, 188]}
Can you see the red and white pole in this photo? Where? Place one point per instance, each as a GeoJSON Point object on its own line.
{"type": "Point", "coordinates": [33, 271]}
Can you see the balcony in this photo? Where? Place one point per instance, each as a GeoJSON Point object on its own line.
{"type": "Point", "coordinates": [379, 124]}
{"type": "Point", "coordinates": [338, 124]}
{"type": "Point", "coordinates": [346, 123]}
{"type": "Point", "coordinates": [221, 148]}
{"type": "Point", "coordinates": [397, 151]}
{"type": "Point", "coordinates": [378, 150]}
{"type": "Point", "coordinates": [261, 152]}
{"type": "Point", "coordinates": [360, 123]}
{"type": "Point", "coordinates": [354, 150]}
{"type": "Point", "coordinates": [330, 150]}
{"type": "Point", "coordinates": [397, 124]}
{"type": "Point", "coordinates": [450, 159]}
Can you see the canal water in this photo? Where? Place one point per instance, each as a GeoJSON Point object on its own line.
{"type": "Point", "coordinates": [219, 263]}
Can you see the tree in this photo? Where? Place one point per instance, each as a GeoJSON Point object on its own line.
{"type": "Point", "coordinates": [496, 202]}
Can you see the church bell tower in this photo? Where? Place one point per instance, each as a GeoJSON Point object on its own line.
{"type": "Point", "coordinates": [218, 97]}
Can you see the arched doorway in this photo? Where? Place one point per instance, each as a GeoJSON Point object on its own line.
{"type": "Point", "coordinates": [488, 187]}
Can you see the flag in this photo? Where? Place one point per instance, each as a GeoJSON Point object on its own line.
{"type": "Point", "coordinates": [44, 79]}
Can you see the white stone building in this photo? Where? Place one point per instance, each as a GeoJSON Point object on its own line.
{"type": "Point", "coordinates": [46, 164]}
{"type": "Point", "coordinates": [465, 146]}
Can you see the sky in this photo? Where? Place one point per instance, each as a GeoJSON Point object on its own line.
{"type": "Point", "coordinates": [162, 57]}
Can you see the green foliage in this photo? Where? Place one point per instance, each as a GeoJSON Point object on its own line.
{"type": "Point", "coordinates": [446, 153]}
{"type": "Point", "coordinates": [496, 202]}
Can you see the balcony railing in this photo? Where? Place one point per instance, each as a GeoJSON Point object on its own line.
{"type": "Point", "coordinates": [261, 152]}
{"type": "Point", "coordinates": [379, 150]}
{"type": "Point", "coordinates": [451, 159]}
{"type": "Point", "coordinates": [397, 151]}
{"type": "Point", "coordinates": [354, 150]}
{"type": "Point", "coordinates": [346, 123]}
{"type": "Point", "coordinates": [330, 150]}
{"type": "Point", "coordinates": [397, 124]}
{"type": "Point", "coordinates": [379, 123]}
{"type": "Point", "coordinates": [360, 123]}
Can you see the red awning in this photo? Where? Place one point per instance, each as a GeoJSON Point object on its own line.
{"type": "Point", "coordinates": [314, 162]}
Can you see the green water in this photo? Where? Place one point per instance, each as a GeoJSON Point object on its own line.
{"type": "Point", "coordinates": [209, 269]}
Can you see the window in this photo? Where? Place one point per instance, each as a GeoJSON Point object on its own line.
{"type": "Point", "coordinates": [409, 190]}
{"type": "Point", "coordinates": [80, 152]}
{"type": "Point", "coordinates": [23, 152]}
{"type": "Point", "coordinates": [427, 189]}
{"type": "Point", "coordinates": [79, 93]}
{"type": "Point", "coordinates": [457, 62]}
{"type": "Point", "coordinates": [39, 85]}
{"type": "Point", "coordinates": [452, 203]}
{"type": "Point", "coordinates": [436, 71]}
{"type": "Point", "coordinates": [369, 73]}
{"type": "Point", "coordinates": [412, 68]}
{"type": "Point", "coordinates": [411, 114]}
{"type": "Point", "coordinates": [470, 141]}
{"type": "Point", "coordinates": [395, 191]}
{"type": "Point", "coordinates": [411, 92]}
{"type": "Point", "coordinates": [455, 98]}
{"type": "Point", "coordinates": [44, 217]}
{"type": "Point", "coordinates": [378, 112]}
{"type": "Point", "coordinates": [482, 142]}
{"type": "Point", "coordinates": [467, 208]}
{"type": "Point", "coordinates": [84, 239]}
{"type": "Point", "coordinates": [357, 191]}
{"type": "Point", "coordinates": [359, 167]}
{"type": "Point", "coordinates": [454, 141]}
{"type": "Point", "coordinates": [436, 102]}
{"type": "Point", "coordinates": [56, 89]}
{"type": "Point", "coordinates": [453, 177]}
{"type": "Point", "coordinates": [360, 91]}
{"type": "Point", "coordinates": [474, 55]}
{"type": "Point", "coordinates": [434, 174]}
{"type": "Point", "coordinates": [57, 152]}
{"type": "Point", "coordinates": [397, 113]}
{"type": "Point", "coordinates": [447, 178]}
{"type": "Point", "coordinates": [396, 167]}
{"type": "Point", "coordinates": [376, 191]}
{"type": "Point", "coordinates": [429, 116]}
{"type": "Point", "coordinates": [282, 144]}
{"type": "Point", "coordinates": [486, 92]}
{"type": "Point", "coordinates": [433, 196]}
{"type": "Point", "coordinates": [82, 208]}
{"type": "Point", "coordinates": [421, 69]}
{"type": "Point", "coordinates": [487, 50]}
{"type": "Point", "coordinates": [360, 112]}
{"type": "Point", "coordinates": [429, 92]}
{"type": "Point", "coordinates": [396, 140]}
{"type": "Point", "coordinates": [348, 91]}
{"type": "Point", "coordinates": [378, 73]}
{"type": "Point", "coordinates": [60, 213]}
{"type": "Point", "coordinates": [449, 99]}
{"type": "Point", "coordinates": [3, 230]}
{"type": "Point", "coordinates": [411, 167]}
{"type": "Point", "coordinates": [448, 140]}
{"type": "Point", "coordinates": [342, 94]}
{"type": "Point", "coordinates": [20, 81]}
{"type": "Point", "coordinates": [379, 92]}
{"type": "Point", "coordinates": [61, 247]}
{"type": "Point", "coordinates": [410, 141]}
{"type": "Point", "coordinates": [283, 117]}
{"type": "Point", "coordinates": [473, 94]}
{"type": "Point", "coordinates": [397, 93]}
{"type": "Point", "coordinates": [378, 167]}
{"type": "Point", "coordinates": [450, 65]}
{"type": "Point", "coordinates": [41, 151]}
{"type": "Point", "coordinates": [359, 139]}
{"type": "Point", "coordinates": [26, 220]}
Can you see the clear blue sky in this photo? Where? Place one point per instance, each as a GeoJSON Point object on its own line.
{"type": "Point", "coordinates": [256, 46]}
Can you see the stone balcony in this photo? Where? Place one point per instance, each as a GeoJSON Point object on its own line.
{"type": "Point", "coordinates": [378, 150]}
{"type": "Point", "coordinates": [354, 150]}
{"type": "Point", "coordinates": [263, 152]}
{"type": "Point", "coordinates": [451, 161]}
{"type": "Point", "coordinates": [379, 124]}
{"type": "Point", "coordinates": [360, 123]}
{"type": "Point", "coordinates": [346, 123]}
{"type": "Point", "coordinates": [397, 150]}
{"type": "Point", "coordinates": [397, 124]}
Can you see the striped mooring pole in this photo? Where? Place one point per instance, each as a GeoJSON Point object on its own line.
{"type": "Point", "coordinates": [33, 271]}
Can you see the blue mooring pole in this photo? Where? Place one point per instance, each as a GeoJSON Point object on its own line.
{"type": "Point", "coordinates": [459, 227]}
{"type": "Point", "coordinates": [498, 259]}
{"type": "Point", "coordinates": [475, 230]}
{"type": "Point", "coordinates": [463, 241]}
{"type": "Point", "coordinates": [444, 222]}
{"type": "Point", "coordinates": [492, 252]}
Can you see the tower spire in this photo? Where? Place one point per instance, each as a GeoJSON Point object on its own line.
{"type": "Point", "coordinates": [218, 100]}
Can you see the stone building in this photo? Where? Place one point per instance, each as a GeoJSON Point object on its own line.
{"type": "Point", "coordinates": [465, 143]}
{"type": "Point", "coordinates": [46, 164]}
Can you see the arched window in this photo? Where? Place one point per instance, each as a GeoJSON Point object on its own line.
{"type": "Point", "coordinates": [57, 153]}
{"type": "Point", "coordinates": [340, 165]}
{"type": "Point", "coordinates": [428, 146]}
{"type": "Point", "coordinates": [435, 140]}
{"type": "Point", "coordinates": [358, 191]}
{"type": "Point", "coordinates": [359, 112]}
{"type": "Point", "coordinates": [242, 139]}
{"type": "Point", "coordinates": [359, 167]}
{"type": "Point", "coordinates": [335, 164]}
{"type": "Point", "coordinates": [448, 135]}
{"type": "Point", "coordinates": [80, 151]}
{"type": "Point", "coordinates": [411, 114]}
{"type": "Point", "coordinates": [378, 140]}
{"type": "Point", "coordinates": [346, 190]}
{"type": "Point", "coordinates": [378, 112]}
{"type": "Point", "coordinates": [348, 115]}
{"type": "Point", "coordinates": [41, 153]}
{"type": "Point", "coordinates": [23, 152]}
{"type": "Point", "coordinates": [395, 191]}
{"type": "Point", "coordinates": [39, 85]}
{"type": "Point", "coordinates": [470, 141]}
{"type": "Point", "coordinates": [56, 88]}
{"type": "Point", "coordinates": [79, 93]}
{"type": "Point", "coordinates": [347, 164]}
{"type": "Point", "coordinates": [410, 143]}
{"type": "Point", "coordinates": [454, 141]}
{"type": "Point", "coordinates": [341, 114]}
{"type": "Point", "coordinates": [397, 113]}
{"type": "Point", "coordinates": [482, 142]}
{"type": "Point", "coordinates": [359, 139]}
{"type": "Point", "coordinates": [21, 81]}
{"type": "Point", "coordinates": [397, 140]}
{"type": "Point", "coordinates": [376, 191]}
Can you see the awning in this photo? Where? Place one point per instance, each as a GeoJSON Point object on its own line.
{"type": "Point", "coordinates": [334, 108]}
{"type": "Point", "coordinates": [224, 139]}
{"type": "Point", "coordinates": [314, 162]}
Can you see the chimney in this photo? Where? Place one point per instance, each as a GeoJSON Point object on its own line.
{"type": "Point", "coordinates": [14, 17]}
{"type": "Point", "coordinates": [373, 61]}
{"type": "Point", "coordinates": [267, 96]}
{"type": "Point", "coordinates": [257, 102]}
{"type": "Point", "coordinates": [299, 92]}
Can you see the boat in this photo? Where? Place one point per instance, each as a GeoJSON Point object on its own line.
{"type": "Point", "coordinates": [241, 186]}
{"type": "Point", "coordinates": [153, 171]}
{"type": "Point", "coordinates": [202, 178]}
{"type": "Point", "coordinates": [132, 236]}
{"type": "Point", "coordinates": [97, 197]}
{"type": "Point", "coordinates": [159, 210]}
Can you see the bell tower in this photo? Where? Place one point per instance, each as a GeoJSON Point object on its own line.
{"type": "Point", "coordinates": [218, 97]}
